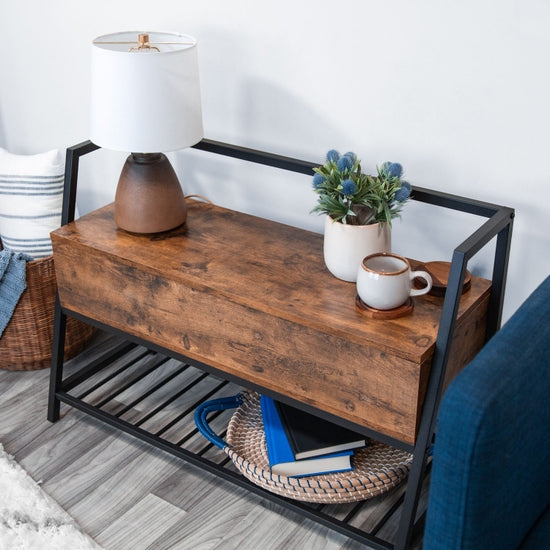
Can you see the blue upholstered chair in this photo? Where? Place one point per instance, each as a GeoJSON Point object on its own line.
{"type": "Point", "coordinates": [490, 483]}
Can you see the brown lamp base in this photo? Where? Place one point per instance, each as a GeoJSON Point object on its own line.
{"type": "Point", "coordinates": [149, 198]}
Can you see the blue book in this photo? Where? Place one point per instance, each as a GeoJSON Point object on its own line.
{"type": "Point", "coordinates": [280, 455]}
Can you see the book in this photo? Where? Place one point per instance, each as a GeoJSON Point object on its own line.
{"type": "Point", "coordinates": [311, 436]}
{"type": "Point", "coordinates": [280, 455]}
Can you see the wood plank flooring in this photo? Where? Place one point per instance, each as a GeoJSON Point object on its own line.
{"type": "Point", "coordinates": [128, 495]}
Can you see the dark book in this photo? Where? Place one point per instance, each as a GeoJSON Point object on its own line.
{"type": "Point", "coordinates": [311, 436]}
{"type": "Point", "coordinates": [280, 455]}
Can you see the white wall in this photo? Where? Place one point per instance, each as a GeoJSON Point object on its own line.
{"type": "Point", "coordinates": [455, 91]}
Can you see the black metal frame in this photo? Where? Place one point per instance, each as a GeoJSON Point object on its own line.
{"type": "Point", "coordinates": [499, 224]}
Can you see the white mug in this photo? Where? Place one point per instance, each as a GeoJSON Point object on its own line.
{"type": "Point", "coordinates": [384, 281]}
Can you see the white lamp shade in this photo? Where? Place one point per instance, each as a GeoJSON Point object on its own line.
{"type": "Point", "coordinates": [145, 101]}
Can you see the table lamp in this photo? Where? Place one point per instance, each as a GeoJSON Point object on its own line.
{"type": "Point", "coordinates": [145, 99]}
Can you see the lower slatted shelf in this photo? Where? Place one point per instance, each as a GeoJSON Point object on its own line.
{"type": "Point", "coordinates": [153, 397]}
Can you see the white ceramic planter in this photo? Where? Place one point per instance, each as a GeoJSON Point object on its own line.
{"type": "Point", "coordinates": [345, 246]}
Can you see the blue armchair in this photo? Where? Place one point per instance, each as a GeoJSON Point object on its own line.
{"type": "Point", "coordinates": [490, 482]}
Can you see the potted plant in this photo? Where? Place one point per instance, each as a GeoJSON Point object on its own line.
{"type": "Point", "coordinates": [359, 209]}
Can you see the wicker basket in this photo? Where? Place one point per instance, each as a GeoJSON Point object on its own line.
{"type": "Point", "coordinates": [377, 467]}
{"type": "Point", "coordinates": [26, 343]}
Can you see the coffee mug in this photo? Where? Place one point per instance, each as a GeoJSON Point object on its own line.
{"type": "Point", "coordinates": [384, 281]}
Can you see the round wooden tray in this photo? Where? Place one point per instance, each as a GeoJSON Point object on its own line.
{"type": "Point", "coordinates": [440, 277]}
{"type": "Point", "coordinates": [367, 311]}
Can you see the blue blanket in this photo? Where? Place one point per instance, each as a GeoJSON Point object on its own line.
{"type": "Point", "coordinates": [13, 281]}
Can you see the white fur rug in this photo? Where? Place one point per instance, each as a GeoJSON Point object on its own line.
{"type": "Point", "coordinates": [32, 520]}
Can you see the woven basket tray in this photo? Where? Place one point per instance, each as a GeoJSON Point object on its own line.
{"type": "Point", "coordinates": [26, 343]}
{"type": "Point", "coordinates": [377, 467]}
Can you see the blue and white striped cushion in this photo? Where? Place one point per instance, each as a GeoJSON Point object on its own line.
{"type": "Point", "coordinates": [31, 197]}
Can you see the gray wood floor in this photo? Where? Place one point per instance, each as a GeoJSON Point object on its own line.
{"type": "Point", "coordinates": [128, 495]}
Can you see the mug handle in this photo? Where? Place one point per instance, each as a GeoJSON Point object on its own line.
{"type": "Point", "coordinates": [422, 275]}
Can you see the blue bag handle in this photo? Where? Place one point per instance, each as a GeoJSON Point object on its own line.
{"type": "Point", "coordinates": [204, 409]}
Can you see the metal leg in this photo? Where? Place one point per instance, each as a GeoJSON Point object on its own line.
{"type": "Point", "coordinates": [500, 269]}
{"type": "Point", "coordinates": [58, 354]}
{"type": "Point", "coordinates": [410, 504]}
{"type": "Point", "coordinates": [432, 399]}
{"type": "Point", "coordinates": [72, 159]}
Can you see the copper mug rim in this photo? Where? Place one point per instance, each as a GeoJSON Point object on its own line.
{"type": "Point", "coordinates": [387, 255]}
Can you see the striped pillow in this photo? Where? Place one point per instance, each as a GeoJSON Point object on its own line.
{"type": "Point", "coordinates": [31, 197]}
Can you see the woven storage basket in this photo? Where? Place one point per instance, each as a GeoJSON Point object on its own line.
{"type": "Point", "coordinates": [377, 467]}
{"type": "Point", "coordinates": [26, 343]}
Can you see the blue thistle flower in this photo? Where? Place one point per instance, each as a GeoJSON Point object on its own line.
{"type": "Point", "coordinates": [344, 163]}
{"type": "Point", "coordinates": [348, 187]}
{"type": "Point", "coordinates": [333, 155]}
{"type": "Point", "coordinates": [403, 193]}
{"type": "Point", "coordinates": [394, 170]}
{"type": "Point", "coordinates": [351, 155]}
{"type": "Point", "coordinates": [318, 180]}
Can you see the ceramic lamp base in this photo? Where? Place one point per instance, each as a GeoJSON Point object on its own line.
{"type": "Point", "coordinates": [149, 198]}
